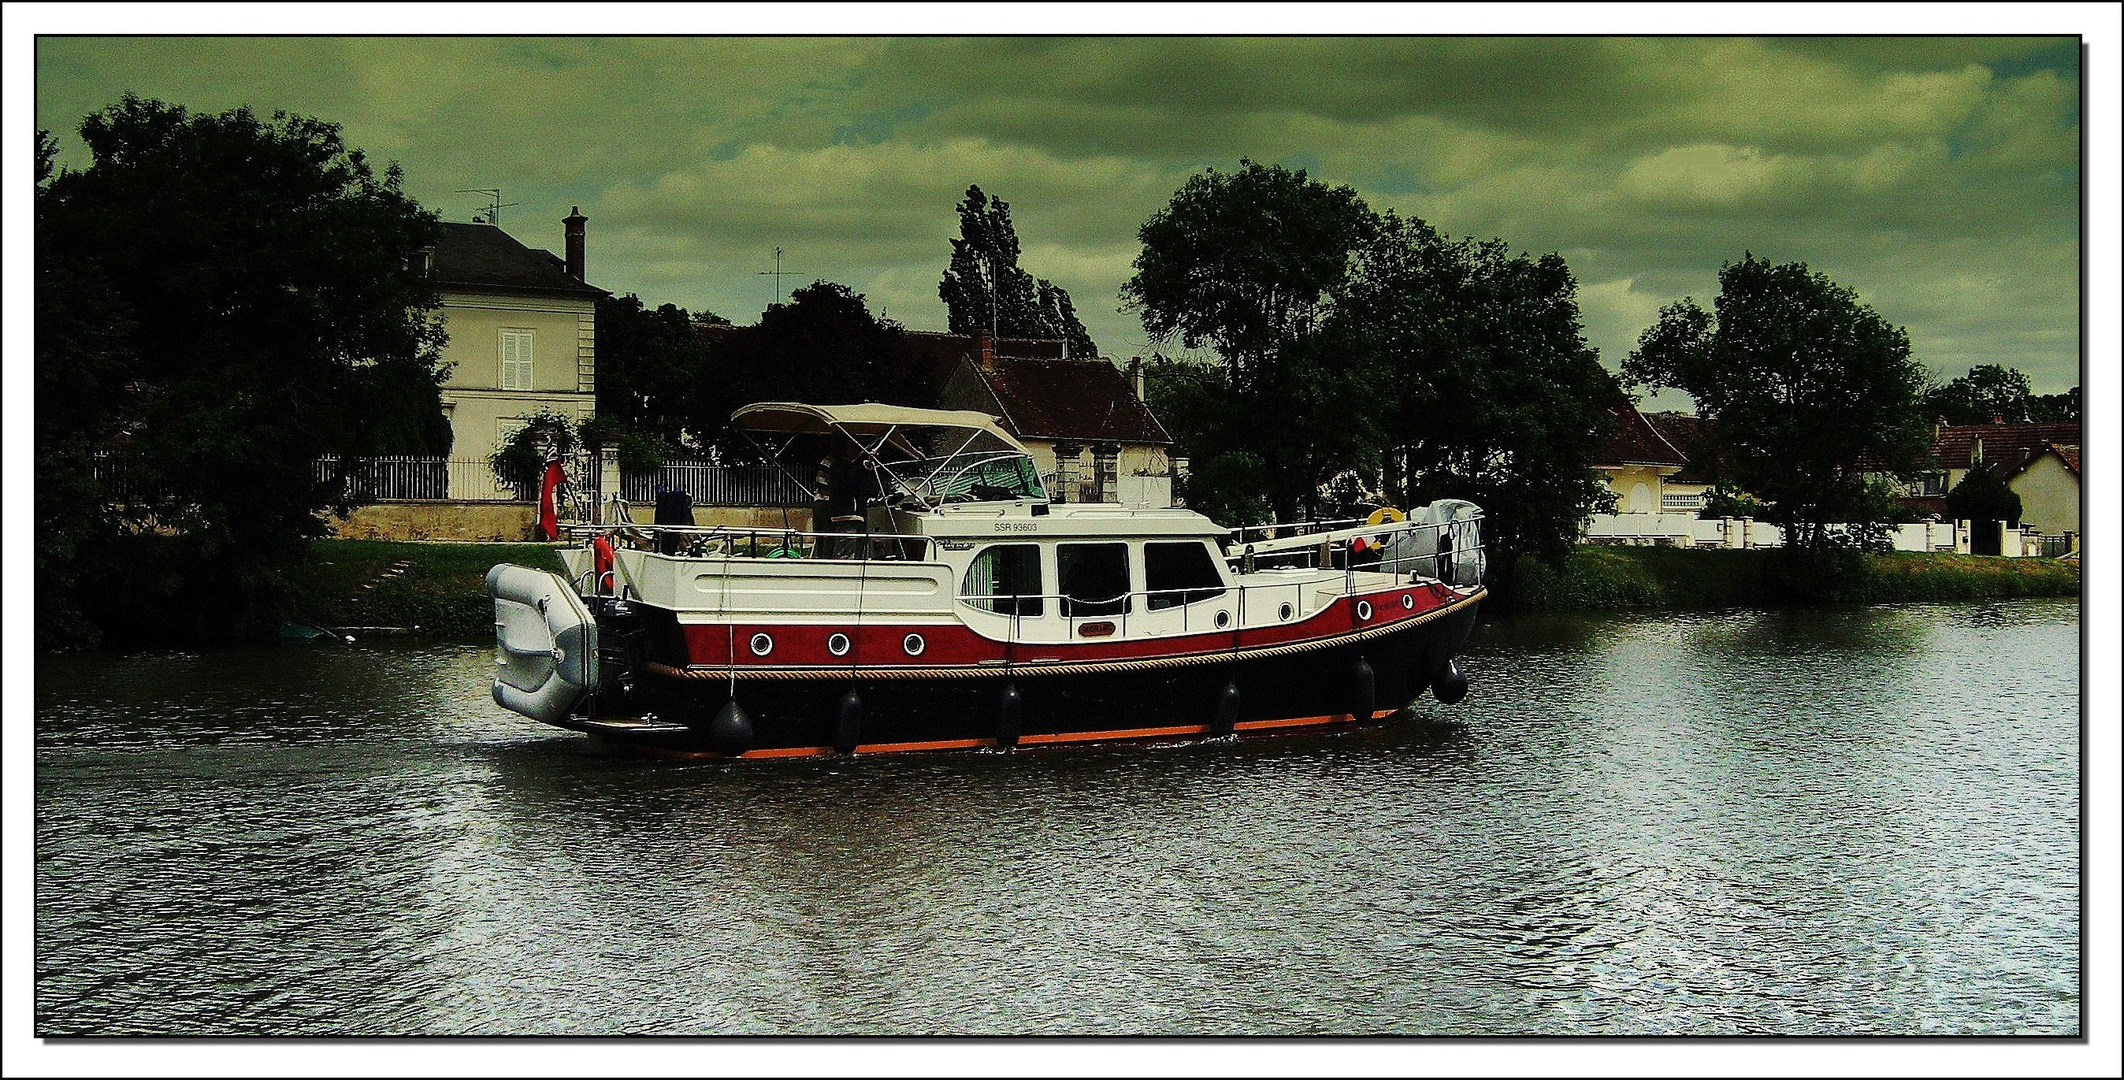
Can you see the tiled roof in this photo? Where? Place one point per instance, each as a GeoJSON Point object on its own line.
{"type": "Point", "coordinates": [483, 256]}
{"type": "Point", "coordinates": [1081, 400]}
{"type": "Point", "coordinates": [2070, 455]}
{"type": "Point", "coordinates": [1635, 442]}
{"type": "Point", "coordinates": [2004, 444]}
{"type": "Point", "coordinates": [940, 353]}
{"type": "Point", "coordinates": [1681, 431]}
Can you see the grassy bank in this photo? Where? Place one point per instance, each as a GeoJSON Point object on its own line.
{"type": "Point", "coordinates": [441, 588]}
{"type": "Point", "coordinates": [1608, 578]}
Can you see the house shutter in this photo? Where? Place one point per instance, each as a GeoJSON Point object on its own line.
{"type": "Point", "coordinates": [516, 360]}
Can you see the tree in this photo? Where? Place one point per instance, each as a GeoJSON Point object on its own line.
{"type": "Point", "coordinates": [1248, 264]}
{"type": "Point", "coordinates": [1490, 392]}
{"type": "Point", "coordinates": [2056, 408]}
{"type": "Point", "coordinates": [649, 366]}
{"type": "Point", "coordinates": [1809, 390]}
{"type": "Point", "coordinates": [984, 289]}
{"type": "Point", "coordinates": [824, 347]}
{"type": "Point", "coordinates": [1245, 262]}
{"type": "Point", "coordinates": [1982, 496]}
{"type": "Point", "coordinates": [1990, 392]}
{"type": "Point", "coordinates": [222, 302]}
{"type": "Point", "coordinates": [1358, 345]}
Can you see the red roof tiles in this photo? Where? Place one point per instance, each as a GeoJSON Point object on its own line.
{"type": "Point", "coordinates": [1636, 442]}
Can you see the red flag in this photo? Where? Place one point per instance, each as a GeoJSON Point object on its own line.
{"type": "Point", "coordinates": [548, 510]}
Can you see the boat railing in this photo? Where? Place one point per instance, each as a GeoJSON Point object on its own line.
{"type": "Point", "coordinates": [1451, 551]}
{"type": "Point", "coordinates": [760, 542]}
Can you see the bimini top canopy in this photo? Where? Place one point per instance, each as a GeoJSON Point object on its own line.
{"type": "Point", "coordinates": [929, 456]}
{"type": "Point", "coordinates": [794, 418]}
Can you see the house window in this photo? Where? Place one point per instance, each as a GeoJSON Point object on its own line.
{"type": "Point", "coordinates": [516, 360]}
{"type": "Point", "coordinates": [1180, 573]}
{"type": "Point", "coordinates": [1005, 579]}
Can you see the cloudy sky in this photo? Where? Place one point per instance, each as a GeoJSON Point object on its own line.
{"type": "Point", "coordinates": [1939, 176]}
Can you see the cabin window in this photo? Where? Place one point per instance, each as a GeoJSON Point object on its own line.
{"type": "Point", "coordinates": [1176, 574]}
{"type": "Point", "coordinates": [1094, 578]}
{"type": "Point", "coordinates": [1005, 579]}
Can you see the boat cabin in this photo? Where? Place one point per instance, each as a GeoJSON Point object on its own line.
{"type": "Point", "coordinates": [935, 517]}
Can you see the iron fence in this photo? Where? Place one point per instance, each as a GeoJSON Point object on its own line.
{"type": "Point", "coordinates": [419, 478]}
{"type": "Point", "coordinates": [715, 485]}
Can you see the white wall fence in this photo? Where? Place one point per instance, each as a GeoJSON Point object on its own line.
{"type": "Point", "coordinates": [1688, 530]}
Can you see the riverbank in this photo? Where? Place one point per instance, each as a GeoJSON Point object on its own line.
{"type": "Point", "coordinates": [441, 587]}
{"type": "Point", "coordinates": [1612, 578]}
{"type": "Point", "coordinates": [437, 586]}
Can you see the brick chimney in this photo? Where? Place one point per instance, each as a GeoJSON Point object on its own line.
{"type": "Point", "coordinates": [985, 347]}
{"type": "Point", "coordinates": [1135, 376]}
{"type": "Point", "coordinates": [573, 223]}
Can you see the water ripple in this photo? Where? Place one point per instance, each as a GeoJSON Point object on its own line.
{"type": "Point", "coordinates": [1840, 823]}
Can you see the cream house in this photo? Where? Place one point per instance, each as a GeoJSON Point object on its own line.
{"type": "Point", "coordinates": [523, 336]}
{"type": "Point", "coordinates": [1638, 464]}
{"type": "Point", "coordinates": [2048, 482]}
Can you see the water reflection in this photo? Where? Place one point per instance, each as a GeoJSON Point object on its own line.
{"type": "Point", "coordinates": [1634, 825]}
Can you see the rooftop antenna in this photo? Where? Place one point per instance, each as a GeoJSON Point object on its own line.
{"type": "Point", "coordinates": [494, 204]}
{"type": "Point", "coordinates": [777, 273]}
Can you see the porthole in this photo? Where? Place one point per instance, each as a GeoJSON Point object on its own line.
{"type": "Point", "coordinates": [1224, 619]}
{"type": "Point", "coordinates": [837, 644]}
{"type": "Point", "coordinates": [1408, 603]}
{"type": "Point", "coordinates": [1364, 609]}
{"type": "Point", "coordinates": [1283, 614]}
{"type": "Point", "coordinates": [762, 644]}
{"type": "Point", "coordinates": [914, 644]}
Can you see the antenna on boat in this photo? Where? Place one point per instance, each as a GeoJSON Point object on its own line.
{"type": "Point", "coordinates": [777, 274]}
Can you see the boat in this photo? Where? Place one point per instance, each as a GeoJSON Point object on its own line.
{"type": "Point", "coordinates": [942, 601]}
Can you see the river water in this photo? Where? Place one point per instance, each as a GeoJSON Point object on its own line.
{"type": "Point", "coordinates": [1847, 822]}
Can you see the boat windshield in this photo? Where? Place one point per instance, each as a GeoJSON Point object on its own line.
{"type": "Point", "coordinates": [982, 476]}
{"type": "Point", "coordinates": [931, 455]}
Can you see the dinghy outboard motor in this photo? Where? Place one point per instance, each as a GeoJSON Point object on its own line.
{"type": "Point", "coordinates": [545, 644]}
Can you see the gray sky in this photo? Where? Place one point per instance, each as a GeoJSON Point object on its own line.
{"type": "Point", "coordinates": [1939, 177]}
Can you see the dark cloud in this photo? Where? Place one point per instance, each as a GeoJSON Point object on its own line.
{"type": "Point", "coordinates": [1938, 176]}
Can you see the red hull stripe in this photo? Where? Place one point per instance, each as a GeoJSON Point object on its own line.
{"type": "Point", "coordinates": [797, 646]}
{"type": "Point", "coordinates": [1079, 661]}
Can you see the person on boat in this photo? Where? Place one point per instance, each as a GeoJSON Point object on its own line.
{"type": "Point", "coordinates": [840, 478]}
{"type": "Point", "coordinates": [674, 506]}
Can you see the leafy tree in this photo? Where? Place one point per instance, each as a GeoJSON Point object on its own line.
{"type": "Point", "coordinates": [1727, 501]}
{"type": "Point", "coordinates": [1989, 392]}
{"type": "Point", "coordinates": [984, 289]}
{"type": "Point", "coordinates": [2056, 408]}
{"type": "Point", "coordinates": [222, 301]}
{"type": "Point", "coordinates": [1488, 389]}
{"type": "Point", "coordinates": [824, 347]}
{"type": "Point", "coordinates": [1358, 344]}
{"type": "Point", "coordinates": [1248, 264]}
{"type": "Point", "coordinates": [520, 460]}
{"type": "Point", "coordinates": [1807, 389]}
{"type": "Point", "coordinates": [1245, 262]}
{"type": "Point", "coordinates": [1982, 496]}
{"type": "Point", "coordinates": [649, 366]}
